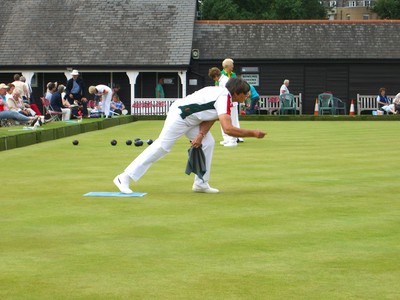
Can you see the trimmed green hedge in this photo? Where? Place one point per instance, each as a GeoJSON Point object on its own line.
{"type": "Point", "coordinates": [58, 130]}
{"type": "Point", "coordinates": [20, 138]}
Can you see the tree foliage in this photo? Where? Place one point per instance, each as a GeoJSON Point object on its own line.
{"type": "Point", "coordinates": [262, 9]}
{"type": "Point", "coordinates": [387, 9]}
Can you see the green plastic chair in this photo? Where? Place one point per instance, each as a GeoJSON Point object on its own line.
{"type": "Point", "coordinates": [339, 105]}
{"type": "Point", "coordinates": [287, 103]}
{"type": "Point", "coordinates": [325, 103]}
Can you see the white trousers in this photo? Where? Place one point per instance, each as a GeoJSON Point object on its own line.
{"type": "Point", "coordinates": [106, 103]}
{"type": "Point", "coordinates": [174, 128]}
{"type": "Point", "coordinates": [235, 123]}
{"type": "Point", "coordinates": [66, 114]}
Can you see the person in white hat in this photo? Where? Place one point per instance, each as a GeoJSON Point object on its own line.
{"type": "Point", "coordinates": [75, 90]}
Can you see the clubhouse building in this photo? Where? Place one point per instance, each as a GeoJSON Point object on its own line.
{"type": "Point", "coordinates": [134, 43]}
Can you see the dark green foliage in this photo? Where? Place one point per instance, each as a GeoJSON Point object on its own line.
{"type": "Point", "coordinates": [387, 9]}
{"type": "Point", "coordinates": [262, 10]}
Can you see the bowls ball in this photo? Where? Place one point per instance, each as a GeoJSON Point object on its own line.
{"type": "Point", "coordinates": [138, 143]}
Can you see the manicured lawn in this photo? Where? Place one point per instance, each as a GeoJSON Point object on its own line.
{"type": "Point", "coordinates": [309, 212]}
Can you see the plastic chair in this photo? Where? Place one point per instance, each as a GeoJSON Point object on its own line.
{"type": "Point", "coordinates": [325, 103]}
{"type": "Point", "coordinates": [47, 109]}
{"type": "Point", "coordinates": [287, 103]}
{"type": "Point", "coordinates": [339, 105]}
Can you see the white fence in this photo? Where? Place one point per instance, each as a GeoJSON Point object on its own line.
{"type": "Point", "coordinates": [160, 106]}
{"type": "Point", "coordinates": [151, 106]}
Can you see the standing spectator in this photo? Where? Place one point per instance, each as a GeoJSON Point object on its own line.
{"type": "Point", "coordinates": [75, 92]}
{"type": "Point", "coordinates": [115, 89]}
{"type": "Point", "coordinates": [26, 88]}
{"type": "Point", "coordinates": [384, 102]}
{"type": "Point", "coordinates": [60, 104]}
{"type": "Point", "coordinates": [192, 116]}
{"type": "Point", "coordinates": [230, 141]}
{"type": "Point", "coordinates": [219, 78]}
{"type": "Point", "coordinates": [21, 86]}
{"type": "Point", "coordinates": [227, 66]}
{"type": "Point", "coordinates": [29, 98]}
{"type": "Point", "coordinates": [284, 88]}
{"type": "Point", "coordinates": [105, 93]}
{"type": "Point", "coordinates": [159, 89]}
{"type": "Point", "coordinates": [254, 97]}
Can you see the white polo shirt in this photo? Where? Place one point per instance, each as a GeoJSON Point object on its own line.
{"type": "Point", "coordinates": [204, 105]}
{"type": "Point", "coordinates": [284, 90]}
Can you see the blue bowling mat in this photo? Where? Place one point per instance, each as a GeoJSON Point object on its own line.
{"type": "Point", "coordinates": [113, 194]}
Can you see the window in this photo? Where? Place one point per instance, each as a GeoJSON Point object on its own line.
{"type": "Point", "coordinates": [332, 3]}
{"type": "Point", "coordinates": [365, 16]}
{"type": "Point", "coordinates": [366, 3]}
{"type": "Point", "coordinates": [352, 3]}
{"type": "Point", "coordinates": [34, 80]}
{"type": "Point", "coordinates": [250, 69]}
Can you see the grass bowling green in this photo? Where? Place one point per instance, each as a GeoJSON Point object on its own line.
{"type": "Point", "coordinates": [309, 212]}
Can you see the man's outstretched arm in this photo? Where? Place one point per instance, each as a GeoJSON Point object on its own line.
{"type": "Point", "coordinates": [229, 129]}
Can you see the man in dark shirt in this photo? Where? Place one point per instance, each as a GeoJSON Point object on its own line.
{"type": "Point", "coordinates": [75, 91]}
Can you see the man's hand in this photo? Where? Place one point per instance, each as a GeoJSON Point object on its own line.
{"type": "Point", "coordinates": [259, 134]}
{"type": "Point", "coordinates": [226, 124]}
{"type": "Point", "coordinates": [196, 142]}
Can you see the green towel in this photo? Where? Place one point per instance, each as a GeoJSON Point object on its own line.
{"type": "Point", "coordinates": [196, 162]}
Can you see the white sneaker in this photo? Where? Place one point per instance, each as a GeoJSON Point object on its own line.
{"type": "Point", "coordinates": [223, 142]}
{"type": "Point", "coordinates": [38, 123]}
{"type": "Point", "coordinates": [122, 183]}
{"type": "Point", "coordinates": [240, 140]}
{"type": "Point", "coordinates": [230, 144]}
{"type": "Point", "coordinates": [204, 189]}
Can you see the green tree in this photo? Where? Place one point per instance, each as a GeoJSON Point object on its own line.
{"type": "Point", "coordinates": [287, 9]}
{"type": "Point", "coordinates": [312, 9]}
{"type": "Point", "coordinates": [219, 10]}
{"type": "Point", "coordinates": [262, 9]}
{"type": "Point", "coordinates": [387, 9]}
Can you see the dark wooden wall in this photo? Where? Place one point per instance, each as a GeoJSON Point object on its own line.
{"type": "Point", "coordinates": [344, 79]}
